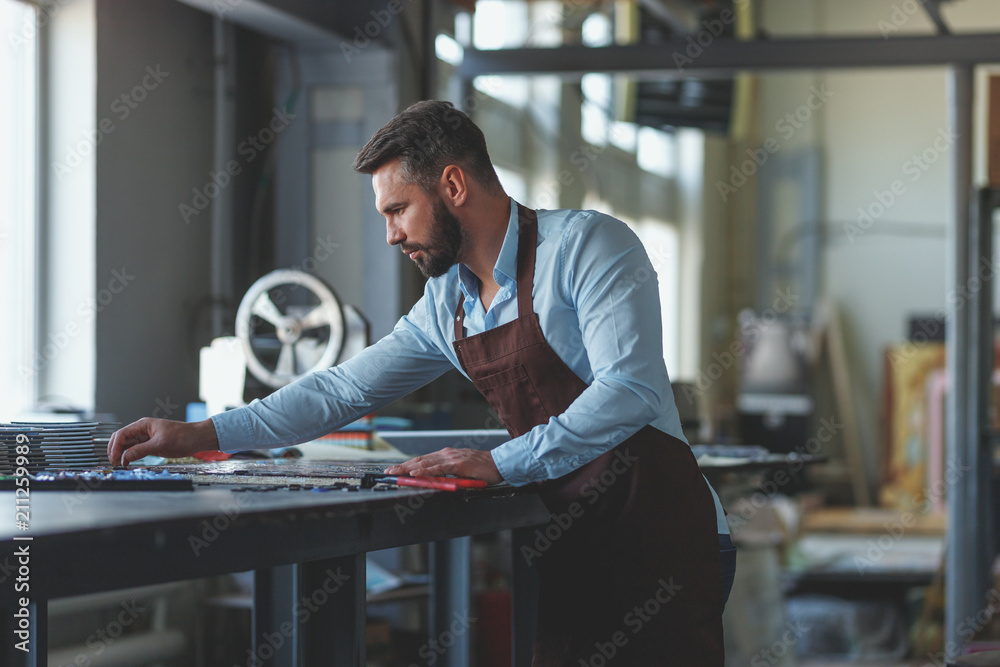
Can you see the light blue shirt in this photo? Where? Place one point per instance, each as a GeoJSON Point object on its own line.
{"type": "Point", "coordinates": [597, 300]}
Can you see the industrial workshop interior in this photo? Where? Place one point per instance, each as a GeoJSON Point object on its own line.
{"type": "Point", "coordinates": [239, 427]}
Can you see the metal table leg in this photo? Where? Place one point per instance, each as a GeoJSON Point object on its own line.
{"type": "Point", "coordinates": [40, 633]}
{"type": "Point", "coordinates": [451, 612]}
{"type": "Point", "coordinates": [274, 628]}
{"type": "Point", "coordinates": [524, 591]}
{"type": "Point", "coordinates": [330, 611]}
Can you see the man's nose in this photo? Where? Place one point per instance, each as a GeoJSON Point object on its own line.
{"type": "Point", "coordinates": [393, 235]}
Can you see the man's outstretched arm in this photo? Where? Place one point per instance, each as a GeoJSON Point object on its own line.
{"type": "Point", "coordinates": [315, 405]}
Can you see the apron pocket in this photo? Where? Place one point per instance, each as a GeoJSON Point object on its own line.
{"type": "Point", "coordinates": [512, 394]}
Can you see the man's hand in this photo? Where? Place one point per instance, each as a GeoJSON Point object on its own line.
{"type": "Point", "coordinates": [161, 437]}
{"type": "Point", "coordinates": [470, 463]}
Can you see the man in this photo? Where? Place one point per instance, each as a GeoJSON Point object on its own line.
{"type": "Point", "coordinates": [553, 318]}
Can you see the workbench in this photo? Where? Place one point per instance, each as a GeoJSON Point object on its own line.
{"type": "Point", "coordinates": [298, 543]}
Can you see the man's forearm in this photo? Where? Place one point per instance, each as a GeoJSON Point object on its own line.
{"type": "Point", "coordinates": [327, 400]}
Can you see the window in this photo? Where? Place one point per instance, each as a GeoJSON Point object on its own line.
{"type": "Point", "coordinates": [656, 152]}
{"type": "Point", "coordinates": [594, 112]}
{"type": "Point", "coordinates": [513, 184]}
{"type": "Point", "coordinates": [662, 243]}
{"type": "Point", "coordinates": [499, 25]}
{"type": "Point", "coordinates": [18, 201]}
{"type": "Point", "coordinates": [596, 88]}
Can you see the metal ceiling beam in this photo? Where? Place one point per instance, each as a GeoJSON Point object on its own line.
{"type": "Point", "coordinates": [267, 18]}
{"type": "Point", "coordinates": [721, 57]}
{"type": "Point", "coordinates": [318, 25]}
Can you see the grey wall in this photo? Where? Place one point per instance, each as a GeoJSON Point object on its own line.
{"type": "Point", "coordinates": [146, 359]}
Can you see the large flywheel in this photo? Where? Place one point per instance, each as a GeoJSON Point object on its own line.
{"type": "Point", "coordinates": [291, 323]}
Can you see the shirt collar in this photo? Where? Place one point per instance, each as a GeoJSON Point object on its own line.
{"type": "Point", "coordinates": [504, 271]}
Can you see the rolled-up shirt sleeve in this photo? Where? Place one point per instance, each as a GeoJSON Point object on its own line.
{"type": "Point", "coordinates": [321, 402]}
{"type": "Point", "coordinates": [606, 276]}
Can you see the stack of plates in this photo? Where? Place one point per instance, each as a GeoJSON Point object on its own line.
{"type": "Point", "coordinates": [56, 445]}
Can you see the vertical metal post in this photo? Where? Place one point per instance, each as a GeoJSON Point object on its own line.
{"type": "Point", "coordinates": [292, 174]}
{"type": "Point", "coordinates": [462, 93]}
{"type": "Point", "coordinates": [223, 151]}
{"type": "Point", "coordinates": [568, 134]}
{"type": "Point", "coordinates": [38, 649]}
{"type": "Point", "coordinates": [524, 594]}
{"type": "Point", "coordinates": [428, 29]}
{"type": "Point", "coordinates": [963, 594]}
{"type": "Point", "coordinates": [39, 255]}
{"type": "Point", "coordinates": [331, 612]}
{"type": "Point", "coordinates": [451, 613]}
{"type": "Point", "coordinates": [980, 288]}
{"type": "Point", "coordinates": [273, 622]}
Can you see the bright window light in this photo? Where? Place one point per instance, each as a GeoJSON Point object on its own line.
{"type": "Point", "coordinates": [597, 89]}
{"type": "Point", "coordinates": [463, 28]}
{"type": "Point", "coordinates": [596, 30]}
{"type": "Point", "coordinates": [513, 184]}
{"type": "Point", "coordinates": [512, 90]}
{"type": "Point", "coordinates": [593, 124]}
{"type": "Point", "coordinates": [499, 24]}
{"type": "Point", "coordinates": [18, 90]}
{"type": "Point", "coordinates": [623, 135]}
{"type": "Point", "coordinates": [656, 152]}
{"type": "Point", "coordinates": [546, 27]}
{"type": "Point", "coordinates": [448, 50]}
{"type": "Point", "coordinates": [662, 243]}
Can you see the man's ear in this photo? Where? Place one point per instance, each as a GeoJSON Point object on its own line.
{"type": "Point", "coordinates": [453, 185]}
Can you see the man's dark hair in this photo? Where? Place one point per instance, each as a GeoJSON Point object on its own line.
{"type": "Point", "coordinates": [427, 137]}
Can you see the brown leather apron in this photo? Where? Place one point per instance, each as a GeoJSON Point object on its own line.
{"type": "Point", "coordinates": [631, 575]}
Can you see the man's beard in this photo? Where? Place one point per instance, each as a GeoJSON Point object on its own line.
{"type": "Point", "coordinates": [445, 245]}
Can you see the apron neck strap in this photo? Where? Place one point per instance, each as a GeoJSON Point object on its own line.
{"type": "Point", "coordinates": [527, 240]}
